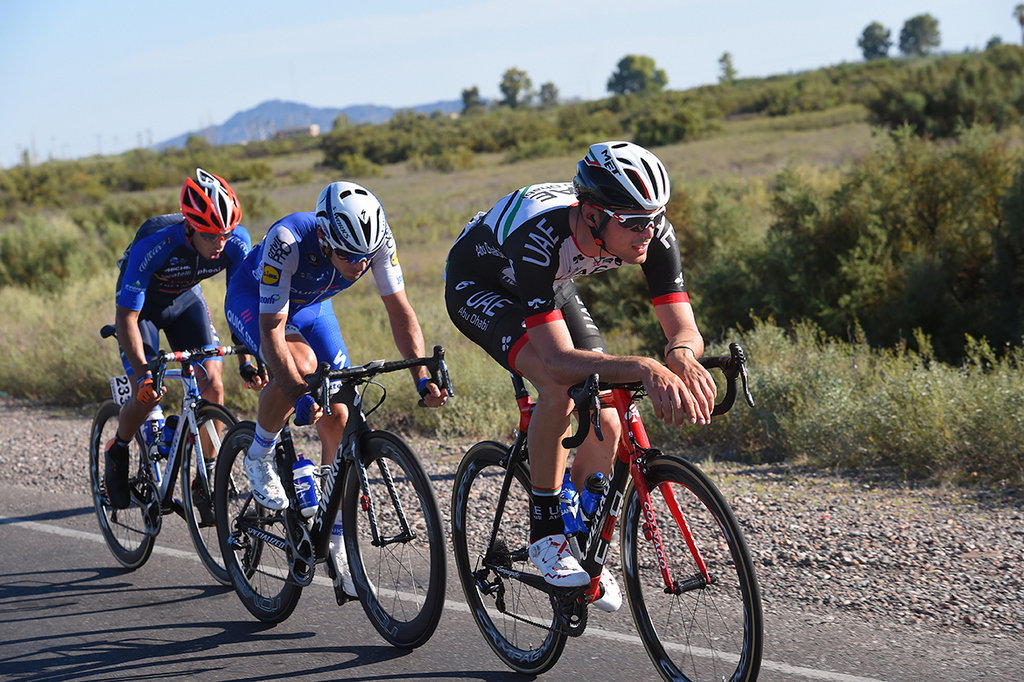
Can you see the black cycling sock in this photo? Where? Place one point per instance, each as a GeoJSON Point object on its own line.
{"type": "Point", "coordinates": [119, 446]}
{"type": "Point", "coordinates": [546, 517]}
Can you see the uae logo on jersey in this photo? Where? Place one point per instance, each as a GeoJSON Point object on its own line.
{"type": "Point", "coordinates": [271, 275]}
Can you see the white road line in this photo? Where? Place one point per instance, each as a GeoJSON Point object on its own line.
{"type": "Point", "coordinates": [457, 606]}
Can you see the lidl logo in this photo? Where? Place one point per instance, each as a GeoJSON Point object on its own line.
{"type": "Point", "coordinates": [394, 259]}
{"type": "Point", "coordinates": [271, 275]}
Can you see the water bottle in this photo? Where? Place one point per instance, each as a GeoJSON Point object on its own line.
{"type": "Point", "coordinates": [594, 489]}
{"type": "Point", "coordinates": [570, 502]}
{"type": "Point", "coordinates": [153, 429]}
{"type": "Point", "coordinates": [305, 485]}
{"type": "Point", "coordinates": [167, 435]}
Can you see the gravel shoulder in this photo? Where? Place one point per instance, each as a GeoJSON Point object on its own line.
{"type": "Point", "coordinates": [886, 553]}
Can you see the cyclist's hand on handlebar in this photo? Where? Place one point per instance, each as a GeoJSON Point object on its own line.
{"type": "Point", "coordinates": [252, 376]}
{"type": "Point", "coordinates": [430, 394]}
{"type": "Point", "coordinates": [146, 394]}
{"type": "Point", "coordinates": [307, 411]}
{"type": "Point", "coordinates": [684, 397]}
{"type": "Point", "coordinates": [700, 386]}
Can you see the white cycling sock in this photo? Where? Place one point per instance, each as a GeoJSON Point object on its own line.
{"type": "Point", "coordinates": [262, 446]}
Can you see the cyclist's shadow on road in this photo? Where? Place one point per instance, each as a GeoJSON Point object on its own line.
{"type": "Point", "coordinates": [52, 630]}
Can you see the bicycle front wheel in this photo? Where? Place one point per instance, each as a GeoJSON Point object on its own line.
{"type": "Point", "coordinates": [252, 538]}
{"type": "Point", "coordinates": [394, 538]}
{"type": "Point", "coordinates": [517, 621]}
{"type": "Point", "coordinates": [703, 630]}
{"type": "Point", "coordinates": [197, 489]}
{"type": "Point", "coordinates": [124, 530]}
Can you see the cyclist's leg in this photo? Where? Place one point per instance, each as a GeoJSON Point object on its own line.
{"type": "Point", "coordinates": [130, 418]}
{"type": "Point", "coordinates": [493, 320]}
{"type": "Point", "coordinates": [319, 326]}
{"type": "Point", "coordinates": [188, 325]}
{"type": "Point", "coordinates": [593, 455]}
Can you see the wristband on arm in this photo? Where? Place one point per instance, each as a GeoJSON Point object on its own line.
{"type": "Point", "coordinates": [677, 348]}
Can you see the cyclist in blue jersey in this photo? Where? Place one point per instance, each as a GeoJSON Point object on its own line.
{"type": "Point", "coordinates": [158, 289]}
{"type": "Point", "coordinates": [280, 307]}
{"type": "Point", "coordinates": [509, 288]}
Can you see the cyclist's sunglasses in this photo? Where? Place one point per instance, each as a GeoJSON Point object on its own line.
{"type": "Point", "coordinates": [637, 222]}
{"type": "Point", "coordinates": [213, 237]}
{"type": "Point", "coordinates": [352, 258]}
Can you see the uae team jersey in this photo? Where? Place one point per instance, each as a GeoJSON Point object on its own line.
{"type": "Point", "coordinates": [530, 229]}
{"type": "Point", "coordinates": [160, 265]}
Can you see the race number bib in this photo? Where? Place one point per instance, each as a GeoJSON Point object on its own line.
{"type": "Point", "coordinates": [121, 389]}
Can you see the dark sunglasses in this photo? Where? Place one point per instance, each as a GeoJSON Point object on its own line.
{"type": "Point", "coordinates": [352, 258]}
{"type": "Point", "coordinates": [637, 222]}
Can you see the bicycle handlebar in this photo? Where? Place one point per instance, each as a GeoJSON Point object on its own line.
{"type": "Point", "coordinates": [158, 365]}
{"type": "Point", "coordinates": [319, 382]}
{"type": "Point", "coordinates": [586, 395]}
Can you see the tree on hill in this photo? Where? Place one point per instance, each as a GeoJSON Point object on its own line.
{"type": "Point", "coordinates": [875, 42]}
{"type": "Point", "coordinates": [1018, 14]}
{"type": "Point", "coordinates": [638, 74]}
{"type": "Point", "coordinates": [728, 71]}
{"type": "Point", "coordinates": [919, 36]}
{"type": "Point", "coordinates": [516, 86]}
{"type": "Point", "coordinates": [548, 96]}
{"type": "Point", "coordinates": [471, 103]}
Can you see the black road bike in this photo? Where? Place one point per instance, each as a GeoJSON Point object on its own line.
{"type": "Point", "coordinates": [393, 529]}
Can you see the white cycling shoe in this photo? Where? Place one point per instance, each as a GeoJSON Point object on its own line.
{"type": "Point", "coordinates": [610, 598]}
{"type": "Point", "coordinates": [557, 565]}
{"type": "Point", "coordinates": [265, 483]}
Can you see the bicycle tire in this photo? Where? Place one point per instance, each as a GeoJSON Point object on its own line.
{"type": "Point", "coordinates": [713, 631]}
{"type": "Point", "coordinates": [531, 647]}
{"type": "Point", "coordinates": [258, 570]}
{"type": "Point", "coordinates": [401, 583]}
{"type": "Point", "coordinates": [190, 457]}
{"type": "Point", "coordinates": [124, 530]}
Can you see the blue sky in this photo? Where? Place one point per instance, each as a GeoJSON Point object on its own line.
{"type": "Point", "coordinates": [84, 77]}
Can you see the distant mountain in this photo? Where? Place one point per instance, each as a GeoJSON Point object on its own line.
{"type": "Point", "coordinates": [266, 120]}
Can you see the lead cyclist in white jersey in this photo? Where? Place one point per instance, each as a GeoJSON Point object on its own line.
{"type": "Point", "coordinates": [509, 288]}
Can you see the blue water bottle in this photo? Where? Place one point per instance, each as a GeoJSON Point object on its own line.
{"type": "Point", "coordinates": [305, 485]}
{"type": "Point", "coordinates": [594, 490]}
{"type": "Point", "coordinates": [570, 503]}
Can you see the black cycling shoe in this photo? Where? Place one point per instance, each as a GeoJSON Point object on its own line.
{"type": "Point", "coordinates": [115, 476]}
{"type": "Point", "coordinates": [204, 503]}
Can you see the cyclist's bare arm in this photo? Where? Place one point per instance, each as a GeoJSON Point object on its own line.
{"type": "Point", "coordinates": [671, 399]}
{"type": "Point", "coordinates": [278, 357]}
{"type": "Point", "coordinates": [408, 335]}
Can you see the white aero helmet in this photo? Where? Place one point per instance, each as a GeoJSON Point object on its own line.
{"type": "Point", "coordinates": [351, 218]}
{"type": "Point", "coordinates": [622, 175]}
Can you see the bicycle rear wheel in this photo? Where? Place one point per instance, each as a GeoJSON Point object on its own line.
{"type": "Point", "coordinates": [517, 621]}
{"type": "Point", "coordinates": [401, 577]}
{"type": "Point", "coordinates": [707, 631]}
{"type": "Point", "coordinates": [197, 490]}
{"type": "Point", "coordinates": [257, 561]}
{"type": "Point", "coordinates": [125, 530]}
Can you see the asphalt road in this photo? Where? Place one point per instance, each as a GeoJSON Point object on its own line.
{"type": "Point", "coordinates": [69, 612]}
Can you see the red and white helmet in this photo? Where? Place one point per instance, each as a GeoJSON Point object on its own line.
{"type": "Point", "coordinates": [622, 175]}
{"type": "Point", "coordinates": [210, 205]}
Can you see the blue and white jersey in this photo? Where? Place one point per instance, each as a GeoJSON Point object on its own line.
{"type": "Point", "coordinates": [289, 271]}
{"type": "Point", "coordinates": [160, 264]}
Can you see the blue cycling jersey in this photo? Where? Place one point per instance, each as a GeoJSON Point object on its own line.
{"type": "Point", "coordinates": [289, 272]}
{"type": "Point", "coordinates": [160, 265]}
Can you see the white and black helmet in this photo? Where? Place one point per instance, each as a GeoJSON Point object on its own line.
{"type": "Point", "coordinates": [622, 175]}
{"type": "Point", "coordinates": [351, 218]}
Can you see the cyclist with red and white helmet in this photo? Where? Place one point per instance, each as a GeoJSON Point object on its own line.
{"type": "Point", "coordinates": [280, 307]}
{"type": "Point", "coordinates": [509, 288]}
{"type": "Point", "coordinates": [158, 289]}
